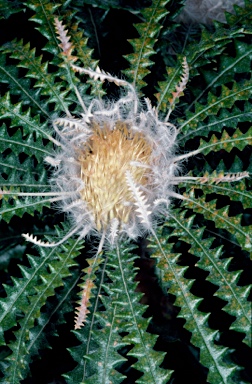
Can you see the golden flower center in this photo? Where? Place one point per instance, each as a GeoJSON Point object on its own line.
{"type": "Point", "coordinates": [106, 157]}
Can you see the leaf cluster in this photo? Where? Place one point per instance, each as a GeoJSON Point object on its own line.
{"type": "Point", "coordinates": [183, 292]}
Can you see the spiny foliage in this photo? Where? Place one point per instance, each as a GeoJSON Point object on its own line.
{"type": "Point", "coordinates": [116, 312]}
{"type": "Point", "coordinates": [197, 265]}
{"type": "Point", "coordinates": [144, 45]}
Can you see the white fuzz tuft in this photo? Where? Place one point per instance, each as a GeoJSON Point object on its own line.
{"type": "Point", "coordinates": [114, 229]}
{"type": "Point", "coordinates": [53, 162]}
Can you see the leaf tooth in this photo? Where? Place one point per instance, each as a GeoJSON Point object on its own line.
{"type": "Point", "coordinates": [26, 273]}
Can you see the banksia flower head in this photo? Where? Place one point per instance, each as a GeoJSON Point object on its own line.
{"type": "Point", "coordinates": [116, 169]}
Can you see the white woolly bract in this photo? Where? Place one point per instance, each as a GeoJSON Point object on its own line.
{"type": "Point", "coordinates": [143, 209]}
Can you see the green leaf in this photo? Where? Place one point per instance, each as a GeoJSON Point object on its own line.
{"type": "Point", "coordinates": [242, 17]}
{"type": "Point", "coordinates": [227, 98]}
{"type": "Point", "coordinates": [52, 316]}
{"type": "Point", "coordinates": [175, 81]}
{"type": "Point", "coordinates": [221, 218]}
{"type": "Point", "coordinates": [226, 281]}
{"type": "Point", "coordinates": [20, 86]}
{"type": "Point", "coordinates": [19, 144]}
{"type": "Point", "coordinates": [28, 295]}
{"type": "Point", "coordinates": [26, 205]}
{"type": "Point", "coordinates": [228, 67]}
{"type": "Point", "coordinates": [49, 86]}
{"type": "Point", "coordinates": [23, 119]}
{"type": "Point", "coordinates": [211, 355]}
{"type": "Point", "coordinates": [144, 45]}
{"type": "Point", "coordinates": [44, 17]}
{"type": "Point", "coordinates": [236, 191]}
{"type": "Point", "coordinates": [225, 118]}
{"type": "Point", "coordinates": [123, 313]}
{"type": "Point", "coordinates": [211, 44]}
{"type": "Point", "coordinates": [17, 176]}
{"type": "Point", "coordinates": [148, 360]}
{"type": "Point", "coordinates": [226, 142]}
{"type": "Point", "coordinates": [8, 8]}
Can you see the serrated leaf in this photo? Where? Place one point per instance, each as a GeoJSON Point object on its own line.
{"type": "Point", "coordinates": [224, 119]}
{"type": "Point", "coordinates": [211, 355]}
{"type": "Point", "coordinates": [19, 144]}
{"type": "Point", "coordinates": [210, 260]}
{"type": "Point", "coordinates": [20, 86]}
{"type": "Point", "coordinates": [144, 45]}
{"type": "Point", "coordinates": [221, 218]}
{"type": "Point", "coordinates": [38, 69]}
{"type": "Point", "coordinates": [29, 295]}
{"type": "Point", "coordinates": [20, 118]}
{"type": "Point", "coordinates": [172, 88]}
{"type": "Point", "coordinates": [236, 191]}
{"type": "Point", "coordinates": [19, 206]}
{"type": "Point", "coordinates": [122, 313]}
{"type": "Point", "coordinates": [227, 142]}
{"type": "Point", "coordinates": [44, 17]}
{"type": "Point", "coordinates": [227, 98]}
